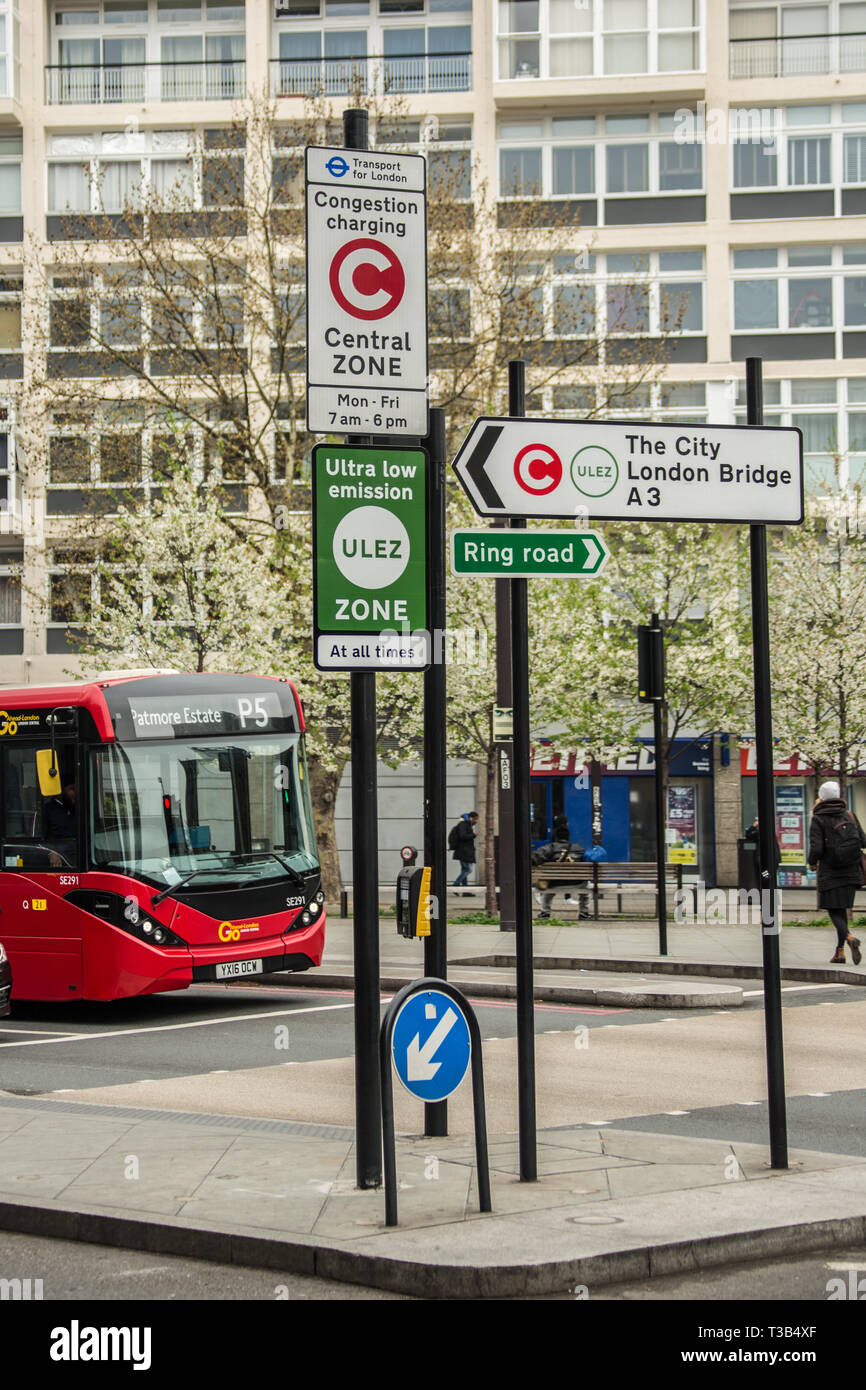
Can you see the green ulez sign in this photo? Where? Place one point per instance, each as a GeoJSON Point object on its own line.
{"type": "Point", "coordinates": [369, 558]}
{"type": "Point", "coordinates": [528, 554]}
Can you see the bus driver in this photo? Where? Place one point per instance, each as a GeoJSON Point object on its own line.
{"type": "Point", "coordinates": [60, 826]}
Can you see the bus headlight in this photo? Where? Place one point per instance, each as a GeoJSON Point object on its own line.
{"type": "Point", "coordinates": [313, 909]}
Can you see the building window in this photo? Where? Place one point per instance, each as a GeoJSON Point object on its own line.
{"type": "Point", "coordinates": [140, 50]}
{"type": "Point", "coordinates": [617, 294]}
{"type": "Point", "coordinates": [799, 147]}
{"type": "Point", "coordinates": [605, 156]}
{"type": "Point", "coordinates": [793, 38]}
{"type": "Point", "coordinates": [335, 46]}
{"type": "Point", "coordinates": [11, 292]}
{"type": "Point", "coordinates": [10, 172]}
{"type": "Point", "coordinates": [112, 171]}
{"type": "Point", "coordinates": [561, 38]}
{"type": "Point", "coordinates": [799, 288]}
{"type": "Point", "coordinates": [10, 598]}
{"type": "Point", "coordinates": [831, 413]}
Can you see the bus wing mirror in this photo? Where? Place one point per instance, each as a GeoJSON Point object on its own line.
{"type": "Point", "coordinates": [48, 770]}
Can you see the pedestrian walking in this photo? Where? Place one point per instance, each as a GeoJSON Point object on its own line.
{"type": "Point", "coordinates": [461, 842]}
{"type": "Point", "coordinates": [836, 844]}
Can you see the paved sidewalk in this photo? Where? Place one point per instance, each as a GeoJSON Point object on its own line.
{"type": "Point", "coordinates": [608, 1205]}
{"type": "Point", "coordinates": [614, 962]}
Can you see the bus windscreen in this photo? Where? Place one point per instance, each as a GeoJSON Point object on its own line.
{"type": "Point", "coordinates": [230, 810]}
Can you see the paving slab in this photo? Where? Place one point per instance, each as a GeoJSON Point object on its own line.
{"type": "Point", "coordinates": [607, 1205]}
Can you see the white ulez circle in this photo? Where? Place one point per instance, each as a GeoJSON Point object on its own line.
{"type": "Point", "coordinates": [371, 547]}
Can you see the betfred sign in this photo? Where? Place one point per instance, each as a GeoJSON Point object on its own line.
{"type": "Point", "coordinates": [366, 292]}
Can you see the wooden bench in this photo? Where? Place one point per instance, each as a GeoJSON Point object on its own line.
{"type": "Point", "coordinates": [561, 876]}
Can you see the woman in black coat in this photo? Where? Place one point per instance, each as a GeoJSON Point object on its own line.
{"type": "Point", "coordinates": [832, 826]}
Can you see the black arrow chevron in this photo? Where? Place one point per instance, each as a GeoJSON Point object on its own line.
{"type": "Point", "coordinates": [475, 463]}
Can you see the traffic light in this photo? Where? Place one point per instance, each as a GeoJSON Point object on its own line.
{"type": "Point", "coordinates": [650, 663]}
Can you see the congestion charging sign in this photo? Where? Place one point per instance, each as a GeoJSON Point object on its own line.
{"type": "Point", "coordinates": [366, 292]}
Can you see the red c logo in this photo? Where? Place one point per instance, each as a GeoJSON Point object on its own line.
{"type": "Point", "coordinates": [367, 279]}
{"type": "Point", "coordinates": [538, 469]}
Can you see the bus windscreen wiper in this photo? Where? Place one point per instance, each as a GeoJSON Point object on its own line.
{"type": "Point", "coordinates": [173, 887]}
{"type": "Point", "coordinates": [270, 854]}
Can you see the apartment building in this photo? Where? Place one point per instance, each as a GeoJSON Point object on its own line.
{"type": "Point", "coordinates": [714, 149]}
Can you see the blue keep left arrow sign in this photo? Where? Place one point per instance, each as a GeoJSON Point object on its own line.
{"type": "Point", "coordinates": [431, 1047]}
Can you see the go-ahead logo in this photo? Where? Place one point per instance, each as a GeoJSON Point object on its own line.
{"type": "Point", "coordinates": [594, 471]}
{"type": "Point", "coordinates": [8, 725]}
{"type": "Point", "coordinates": [231, 931]}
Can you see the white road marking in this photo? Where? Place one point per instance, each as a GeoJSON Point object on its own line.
{"type": "Point", "coordinates": [790, 989]}
{"type": "Point", "coordinates": [43, 1032]}
{"type": "Point", "coordinates": [174, 1027]}
{"type": "Point", "coordinates": [676, 1112]}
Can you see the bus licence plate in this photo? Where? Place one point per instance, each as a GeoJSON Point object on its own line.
{"type": "Point", "coordinates": [233, 969]}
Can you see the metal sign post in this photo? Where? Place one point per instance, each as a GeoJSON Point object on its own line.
{"type": "Point", "coordinates": [430, 1036]}
{"type": "Point", "coordinates": [522, 834]}
{"type": "Point", "coordinates": [640, 471]}
{"type": "Point", "coordinates": [435, 833]}
{"type": "Point", "coordinates": [770, 925]}
{"type": "Point", "coordinates": [367, 375]}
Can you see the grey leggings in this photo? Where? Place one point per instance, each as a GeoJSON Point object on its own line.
{"type": "Point", "coordinates": [839, 917]}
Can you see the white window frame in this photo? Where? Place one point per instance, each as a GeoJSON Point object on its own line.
{"type": "Point", "coordinates": [596, 36]}
{"type": "Point", "coordinates": [600, 141]}
{"type": "Point", "coordinates": [784, 275]}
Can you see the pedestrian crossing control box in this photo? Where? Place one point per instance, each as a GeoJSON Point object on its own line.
{"type": "Point", "coordinates": [413, 901]}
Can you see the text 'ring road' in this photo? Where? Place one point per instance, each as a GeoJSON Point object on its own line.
{"type": "Point", "coordinates": [367, 279]}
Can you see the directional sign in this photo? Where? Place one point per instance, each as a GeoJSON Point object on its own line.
{"type": "Point", "coordinates": [633, 471]}
{"type": "Point", "coordinates": [528, 554]}
{"type": "Point", "coordinates": [369, 558]}
{"type": "Point", "coordinates": [366, 292]}
{"type": "Point", "coordinates": [431, 1045]}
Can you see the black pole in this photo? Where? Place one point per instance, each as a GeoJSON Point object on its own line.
{"type": "Point", "coordinates": [504, 749]}
{"type": "Point", "coordinates": [365, 866]}
{"type": "Point", "coordinates": [522, 836]}
{"type": "Point", "coordinates": [435, 845]}
{"type": "Point", "coordinates": [661, 818]}
{"type": "Point", "coordinates": [770, 926]}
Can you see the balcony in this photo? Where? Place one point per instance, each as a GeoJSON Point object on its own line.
{"type": "Point", "coordinates": [403, 73]}
{"type": "Point", "coordinates": [145, 82]}
{"type": "Point", "coordinates": [806, 56]}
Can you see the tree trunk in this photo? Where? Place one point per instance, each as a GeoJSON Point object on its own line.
{"type": "Point", "coordinates": [491, 904]}
{"type": "Point", "coordinates": [324, 785]}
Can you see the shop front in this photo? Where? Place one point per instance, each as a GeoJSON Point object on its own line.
{"type": "Point", "coordinates": [561, 785]}
{"type": "Point", "coordinates": [796, 789]}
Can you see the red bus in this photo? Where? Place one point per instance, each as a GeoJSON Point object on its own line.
{"type": "Point", "coordinates": [156, 832]}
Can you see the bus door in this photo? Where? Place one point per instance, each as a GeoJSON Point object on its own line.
{"type": "Point", "coordinates": [40, 858]}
